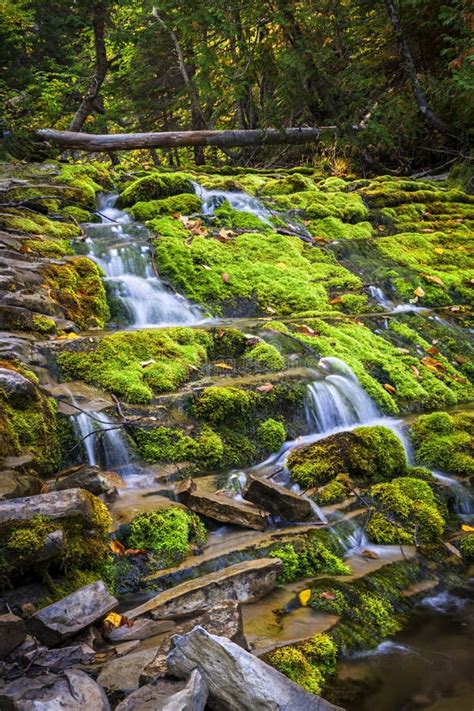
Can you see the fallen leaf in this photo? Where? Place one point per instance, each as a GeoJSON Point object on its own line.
{"type": "Point", "coordinates": [224, 235]}
{"type": "Point", "coordinates": [419, 292]}
{"type": "Point", "coordinates": [461, 359]}
{"type": "Point", "coordinates": [270, 310]}
{"type": "Point", "coordinates": [304, 597]}
{"type": "Point", "coordinates": [146, 363]}
{"type": "Point", "coordinates": [136, 551]}
{"type": "Point", "coordinates": [307, 330]}
{"type": "Point", "coordinates": [455, 309]}
{"type": "Point", "coordinates": [403, 350]}
{"type": "Point", "coordinates": [467, 528]}
{"type": "Point", "coordinates": [432, 364]}
{"type": "Point", "coordinates": [432, 350]}
{"type": "Point", "coordinates": [71, 336]}
{"type": "Point", "coordinates": [415, 371]}
{"type": "Point", "coordinates": [225, 277]}
{"type": "Point", "coordinates": [265, 388]}
{"type": "Point", "coordinates": [434, 279]}
{"type": "Point", "coordinates": [204, 266]}
{"type": "Point", "coordinates": [113, 620]}
{"type": "Point", "coordinates": [224, 366]}
{"type": "Point", "coordinates": [117, 547]}
{"type": "Point", "coordinates": [336, 300]}
{"type": "Point", "coordinates": [439, 250]}
{"type": "Point", "coordinates": [280, 265]}
{"type": "Point", "coordinates": [326, 595]}
{"type": "Point", "coordinates": [389, 388]}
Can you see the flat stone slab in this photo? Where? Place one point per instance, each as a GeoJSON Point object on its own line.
{"type": "Point", "coordinates": [72, 690]}
{"type": "Point", "coordinates": [168, 695]}
{"type": "Point", "coordinates": [71, 504]}
{"type": "Point", "coordinates": [65, 618]}
{"type": "Point", "coordinates": [276, 499]}
{"type": "Point", "coordinates": [141, 629]}
{"type": "Point", "coordinates": [220, 507]}
{"type": "Point", "coordinates": [123, 673]}
{"type": "Point", "coordinates": [244, 582]}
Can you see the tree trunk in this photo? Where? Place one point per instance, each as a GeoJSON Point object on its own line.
{"type": "Point", "coordinates": [432, 119]}
{"type": "Point", "coordinates": [175, 139]}
{"type": "Point", "coordinates": [100, 70]}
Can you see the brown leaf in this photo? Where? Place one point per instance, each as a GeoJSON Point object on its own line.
{"type": "Point", "coordinates": [307, 330]}
{"type": "Point", "coordinates": [326, 595]}
{"type": "Point", "coordinates": [419, 291]}
{"type": "Point", "coordinates": [434, 279]}
{"type": "Point", "coordinates": [224, 366]}
{"type": "Point", "coordinates": [265, 388]}
{"type": "Point", "coordinates": [225, 277]}
{"type": "Point", "coordinates": [389, 388]}
{"type": "Point", "coordinates": [415, 371]}
{"type": "Point", "coordinates": [432, 350]}
{"type": "Point", "coordinates": [117, 547]}
{"type": "Point", "coordinates": [336, 300]}
{"type": "Point", "coordinates": [432, 364]}
{"type": "Point", "coordinates": [461, 359]}
{"type": "Point", "coordinates": [136, 551]}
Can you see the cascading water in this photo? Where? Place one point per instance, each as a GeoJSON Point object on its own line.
{"type": "Point", "coordinates": [119, 246]}
{"type": "Point", "coordinates": [212, 199]}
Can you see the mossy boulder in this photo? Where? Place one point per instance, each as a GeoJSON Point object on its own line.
{"type": "Point", "coordinates": [265, 356]}
{"type": "Point", "coordinates": [155, 187]}
{"type": "Point", "coordinates": [308, 664]}
{"type": "Point", "coordinates": [367, 454]}
{"type": "Point", "coordinates": [445, 441]}
{"type": "Point", "coordinates": [185, 204]}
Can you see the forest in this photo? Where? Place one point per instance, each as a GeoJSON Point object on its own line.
{"type": "Point", "coordinates": [236, 355]}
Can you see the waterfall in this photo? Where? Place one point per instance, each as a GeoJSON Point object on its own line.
{"type": "Point", "coordinates": [119, 247]}
{"type": "Point", "coordinates": [211, 199]}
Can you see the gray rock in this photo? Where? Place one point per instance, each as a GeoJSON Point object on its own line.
{"type": "Point", "coordinates": [142, 629]}
{"type": "Point", "coordinates": [71, 504]}
{"type": "Point", "coordinates": [276, 499]}
{"type": "Point", "coordinates": [72, 690]}
{"type": "Point", "coordinates": [123, 673]}
{"type": "Point", "coordinates": [168, 695]}
{"type": "Point", "coordinates": [14, 484]}
{"type": "Point", "coordinates": [62, 658]}
{"type": "Point", "coordinates": [244, 582]}
{"type": "Point", "coordinates": [12, 633]}
{"type": "Point", "coordinates": [65, 618]}
{"type": "Point", "coordinates": [92, 479]}
{"type": "Point", "coordinates": [236, 680]}
{"type": "Point", "coordinates": [220, 507]}
{"type": "Point", "coordinates": [16, 386]}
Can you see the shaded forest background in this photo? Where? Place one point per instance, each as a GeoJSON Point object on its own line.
{"type": "Point", "coordinates": [126, 66]}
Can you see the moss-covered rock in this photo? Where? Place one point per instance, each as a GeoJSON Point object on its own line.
{"type": "Point", "coordinates": [308, 664]}
{"type": "Point", "coordinates": [185, 204]}
{"type": "Point", "coordinates": [265, 356]}
{"type": "Point", "coordinates": [316, 554]}
{"type": "Point", "coordinates": [444, 441]}
{"type": "Point", "coordinates": [270, 436]}
{"type": "Point", "coordinates": [154, 187]}
{"type": "Point", "coordinates": [367, 454]}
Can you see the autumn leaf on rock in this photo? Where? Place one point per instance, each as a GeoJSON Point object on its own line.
{"type": "Point", "coordinates": [304, 597]}
{"type": "Point", "coordinates": [419, 292]}
{"type": "Point", "coordinates": [224, 366]}
{"type": "Point", "coordinates": [117, 548]}
{"type": "Point", "coordinates": [307, 330]}
{"type": "Point", "coordinates": [432, 364]}
{"type": "Point", "coordinates": [389, 388]}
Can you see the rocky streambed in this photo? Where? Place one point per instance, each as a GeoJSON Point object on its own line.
{"type": "Point", "coordinates": [236, 434]}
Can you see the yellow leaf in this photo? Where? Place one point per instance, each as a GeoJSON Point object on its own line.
{"type": "Point", "coordinates": [280, 265]}
{"type": "Point", "coordinates": [467, 528]}
{"type": "Point", "coordinates": [113, 619]}
{"type": "Point", "coordinates": [439, 250]}
{"type": "Point", "coordinates": [389, 388]}
{"type": "Point", "coordinates": [71, 336]}
{"type": "Point", "coordinates": [117, 547]}
{"type": "Point", "coordinates": [224, 366]}
{"type": "Point", "coordinates": [304, 597]}
{"type": "Point", "coordinates": [419, 291]}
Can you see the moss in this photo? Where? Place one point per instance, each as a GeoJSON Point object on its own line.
{"type": "Point", "coordinates": [354, 303]}
{"type": "Point", "coordinates": [114, 361]}
{"type": "Point", "coordinates": [77, 213]}
{"type": "Point", "coordinates": [334, 228]}
{"type": "Point", "coordinates": [169, 534]}
{"type": "Point", "coordinates": [168, 227]}
{"type": "Point", "coordinates": [365, 453]}
{"type": "Point", "coordinates": [154, 187]}
{"type": "Point", "coordinates": [378, 613]}
{"type": "Point", "coordinates": [235, 219]}
{"type": "Point", "coordinates": [36, 224]}
{"type": "Point", "coordinates": [307, 664]}
{"type": "Point", "coordinates": [383, 531]}
{"type": "Point", "coordinates": [317, 205]}
{"type": "Point", "coordinates": [444, 441]}
{"type": "Point", "coordinates": [267, 356]}
{"type": "Point", "coordinates": [307, 558]}
{"type": "Point", "coordinates": [467, 546]}
{"type": "Point", "coordinates": [223, 404]}
{"type": "Point", "coordinates": [330, 600]}
{"type": "Point", "coordinates": [83, 183]}
{"type": "Point", "coordinates": [165, 444]}
{"type": "Point", "coordinates": [77, 286]}
{"type": "Point", "coordinates": [52, 248]}
{"type": "Point", "coordinates": [333, 493]}
{"type": "Point", "coordinates": [183, 204]}
{"type": "Point", "coordinates": [43, 324]}
{"type": "Point", "coordinates": [271, 435]}
{"type": "Point", "coordinates": [287, 185]}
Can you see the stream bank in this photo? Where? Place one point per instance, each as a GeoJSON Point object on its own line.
{"type": "Point", "coordinates": [310, 403]}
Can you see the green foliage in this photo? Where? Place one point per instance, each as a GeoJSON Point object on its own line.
{"type": "Point", "coordinates": [266, 356]}
{"type": "Point", "coordinates": [271, 435]}
{"type": "Point", "coordinates": [154, 187]}
{"type": "Point", "coordinates": [444, 441]}
{"type": "Point", "coordinates": [378, 613]}
{"type": "Point", "coordinates": [308, 664]}
{"type": "Point", "coordinates": [224, 404]}
{"type": "Point", "coordinates": [308, 558]}
{"type": "Point", "coordinates": [333, 493]}
{"type": "Point", "coordinates": [169, 534]}
{"type": "Point", "coordinates": [146, 211]}
{"type": "Point", "coordinates": [331, 600]}
{"type": "Point", "coordinates": [467, 546]}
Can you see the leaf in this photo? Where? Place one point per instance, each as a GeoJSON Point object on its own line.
{"type": "Point", "coordinates": [225, 277]}
{"type": "Point", "coordinates": [205, 266]}
{"type": "Point", "coordinates": [415, 371]}
{"type": "Point", "coordinates": [265, 388]}
{"type": "Point", "coordinates": [439, 250]}
{"type": "Point", "coordinates": [434, 279]}
{"type": "Point", "coordinates": [467, 528]}
{"type": "Point", "coordinates": [432, 350]}
{"type": "Point", "coordinates": [224, 366]}
{"type": "Point", "coordinates": [280, 265]}
{"type": "Point", "coordinates": [419, 292]}
{"type": "Point", "coordinates": [326, 595]}
{"type": "Point", "coordinates": [304, 597]}
{"type": "Point", "coordinates": [113, 620]}
{"type": "Point", "coordinates": [432, 364]}
{"type": "Point", "coordinates": [224, 234]}
{"type": "Point", "coordinates": [336, 300]}
{"type": "Point", "coordinates": [71, 336]}
{"type": "Point", "coordinates": [307, 330]}
{"type": "Point", "coordinates": [116, 547]}
{"type": "Point", "coordinates": [270, 310]}
{"type": "Point", "coordinates": [136, 551]}
{"type": "Point", "coordinates": [403, 350]}
{"type": "Point", "coordinates": [389, 388]}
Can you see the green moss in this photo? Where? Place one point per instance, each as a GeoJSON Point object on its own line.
{"type": "Point", "coordinates": [83, 183]}
{"type": "Point", "coordinates": [307, 664]}
{"type": "Point", "coordinates": [235, 219]}
{"type": "Point", "coordinates": [333, 493]}
{"type": "Point", "coordinates": [267, 356]}
{"type": "Point", "coordinates": [52, 248]}
{"type": "Point", "coordinates": [383, 531]}
{"type": "Point", "coordinates": [77, 286]}
{"type": "Point", "coordinates": [467, 546]}
{"type": "Point", "coordinates": [155, 186]}
{"type": "Point", "coordinates": [223, 404]}
{"type": "Point", "coordinates": [183, 204]}
{"type": "Point", "coordinates": [378, 613]}
{"type": "Point", "coordinates": [287, 185]}
{"type": "Point", "coordinates": [168, 227]}
{"type": "Point", "coordinates": [169, 534]}
{"type": "Point", "coordinates": [271, 435]}
{"type": "Point", "coordinates": [317, 205]}
{"type": "Point", "coordinates": [43, 324]}
{"type": "Point", "coordinates": [444, 441]}
{"type": "Point", "coordinates": [114, 361]}
{"type": "Point", "coordinates": [165, 444]}
{"type": "Point", "coordinates": [307, 558]}
{"type": "Point", "coordinates": [354, 303]}
{"type": "Point", "coordinates": [330, 600]}
{"type": "Point", "coordinates": [78, 213]}
{"type": "Point", "coordinates": [365, 453]}
{"type": "Point", "coordinates": [334, 228]}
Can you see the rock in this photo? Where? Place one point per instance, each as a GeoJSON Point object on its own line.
{"type": "Point", "coordinates": [223, 619]}
{"type": "Point", "coordinates": [235, 679]}
{"type": "Point", "coordinates": [220, 507]}
{"type": "Point", "coordinates": [14, 484]}
{"type": "Point", "coordinates": [59, 659]}
{"type": "Point", "coordinates": [70, 504]}
{"type": "Point", "coordinates": [370, 555]}
{"type": "Point", "coordinates": [168, 695]}
{"type": "Point", "coordinates": [276, 499]}
{"type": "Point", "coordinates": [72, 690]}
{"type": "Point", "coordinates": [142, 629]}
{"type": "Point", "coordinates": [65, 618]}
{"type": "Point", "coordinates": [245, 582]}
{"type": "Point", "coordinates": [126, 647]}
{"type": "Point", "coordinates": [92, 479]}
{"type": "Point", "coordinates": [16, 386]}
{"type": "Point", "coordinates": [12, 633]}
{"type": "Point", "coordinates": [123, 673]}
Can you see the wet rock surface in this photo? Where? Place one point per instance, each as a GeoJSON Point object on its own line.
{"type": "Point", "coordinates": [276, 499]}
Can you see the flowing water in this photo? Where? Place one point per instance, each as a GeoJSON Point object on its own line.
{"type": "Point", "coordinates": [212, 199]}
{"type": "Point", "coordinates": [119, 246]}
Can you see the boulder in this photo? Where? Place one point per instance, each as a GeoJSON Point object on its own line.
{"type": "Point", "coordinates": [244, 582]}
{"type": "Point", "coordinates": [92, 479]}
{"type": "Point", "coordinates": [223, 619]}
{"type": "Point", "coordinates": [71, 504]}
{"type": "Point", "coordinates": [123, 673]}
{"type": "Point", "coordinates": [168, 695]}
{"type": "Point", "coordinates": [72, 690]}
{"type": "Point", "coordinates": [276, 499]}
{"type": "Point", "coordinates": [141, 629]}
{"type": "Point", "coordinates": [220, 507]}
{"type": "Point", "coordinates": [15, 386]}
{"type": "Point", "coordinates": [12, 633]}
{"type": "Point", "coordinates": [235, 678]}
{"type": "Point", "coordinates": [59, 659]}
{"type": "Point", "coordinates": [65, 618]}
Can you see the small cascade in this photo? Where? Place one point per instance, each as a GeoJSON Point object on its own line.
{"type": "Point", "coordinates": [212, 199]}
{"type": "Point", "coordinates": [463, 497]}
{"type": "Point", "coordinates": [119, 246]}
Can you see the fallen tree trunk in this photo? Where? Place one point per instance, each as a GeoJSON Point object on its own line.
{"type": "Point", "coordinates": [174, 139]}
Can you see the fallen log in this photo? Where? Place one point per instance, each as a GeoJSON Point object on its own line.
{"type": "Point", "coordinates": [176, 139]}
